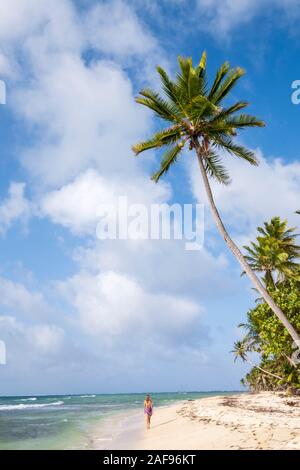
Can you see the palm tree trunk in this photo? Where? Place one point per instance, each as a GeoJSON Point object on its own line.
{"type": "Point", "coordinates": [264, 371]}
{"type": "Point", "coordinates": [290, 361]}
{"type": "Point", "coordinates": [239, 256]}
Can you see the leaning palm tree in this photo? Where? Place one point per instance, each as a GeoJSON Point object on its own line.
{"type": "Point", "coordinates": [275, 252]}
{"type": "Point", "coordinates": [197, 118]}
{"type": "Point", "coordinates": [241, 349]}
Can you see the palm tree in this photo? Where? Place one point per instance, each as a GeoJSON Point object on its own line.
{"type": "Point", "coordinates": [274, 252]}
{"type": "Point", "coordinates": [241, 349]}
{"type": "Point", "coordinates": [197, 118]}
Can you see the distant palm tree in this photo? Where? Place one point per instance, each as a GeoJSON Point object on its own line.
{"type": "Point", "coordinates": [197, 119]}
{"type": "Point", "coordinates": [241, 350]}
{"type": "Point", "coordinates": [275, 252]}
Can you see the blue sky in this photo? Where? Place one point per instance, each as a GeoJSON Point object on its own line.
{"type": "Point", "coordinates": [81, 315]}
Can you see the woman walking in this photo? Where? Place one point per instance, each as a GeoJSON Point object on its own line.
{"type": "Point", "coordinates": [148, 410]}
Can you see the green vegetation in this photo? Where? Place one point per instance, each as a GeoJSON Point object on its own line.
{"type": "Point", "coordinates": [276, 255]}
{"type": "Point", "coordinates": [275, 252]}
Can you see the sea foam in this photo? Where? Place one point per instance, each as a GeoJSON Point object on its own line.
{"type": "Point", "coordinates": [27, 399]}
{"type": "Point", "coordinates": [21, 406]}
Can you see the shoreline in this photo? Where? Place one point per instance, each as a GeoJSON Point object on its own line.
{"type": "Point", "coordinates": [265, 420]}
{"type": "Point", "coordinates": [122, 428]}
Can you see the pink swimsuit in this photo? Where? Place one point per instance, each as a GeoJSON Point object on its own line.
{"type": "Point", "coordinates": [148, 410]}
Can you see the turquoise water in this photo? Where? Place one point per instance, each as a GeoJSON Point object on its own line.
{"type": "Point", "coordinates": [67, 421]}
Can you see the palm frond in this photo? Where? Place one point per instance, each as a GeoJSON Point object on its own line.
{"type": "Point", "coordinates": [170, 88]}
{"type": "Point", "coordinates": [190, 82]}
{"type": "Point", "coordinates": [196, 114]}
{"type": "Point", "coordinates": [226, 112]}
{"type": "Point", "coordinates": [161, 107]}
{"type": "Point", "coordinates": [224, 88]}
{"type": "Point", "coordinates": [221, 73]}
{"type": "Point", "coordinates": [244, 120]}
{"type": "Point", "coordinates": [200, 107]}
{"type": "Point", "coordinates": [165, 137]}
{"type": "Point", "coordinates": [185, 65]}
{"type": "Point", "coordinates": [215, 169]}
{"type": "Point", "coordinates": [240, 350]}
{"type": "Point", "coordinates": [202, 64]}
{"type": "Point", "coordinates": [168, 159]}
{"type": "Point", "coordinates": [237, 150]}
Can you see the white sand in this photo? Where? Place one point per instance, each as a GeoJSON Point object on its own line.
{"type": "Point", "coordinates": [247, 421]}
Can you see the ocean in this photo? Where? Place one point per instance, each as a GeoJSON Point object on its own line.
{"type": "Point", "coordinates": [70, 421]}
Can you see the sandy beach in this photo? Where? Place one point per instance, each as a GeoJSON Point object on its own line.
{"type": "Point", "coordinates": [243, 421]}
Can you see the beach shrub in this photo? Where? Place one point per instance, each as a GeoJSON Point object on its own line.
{"type": "Point", "coordinates": [267, 337]}
{"type": "Point", "coordinates": [275, 255]}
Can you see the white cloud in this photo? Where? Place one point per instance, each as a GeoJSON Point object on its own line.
{"type": "Point", "coordinates": [22, 19]}
{"type": "Point", "coordinates": [5, 67]}
{"type": "Point", "coordinates": [111, 305]}
{"type": "Point", "coordinates": [128, 301]}
{"type": "Point", "coordinates": [48, 339]}
{"type": "Point", "coordinates": [16, 298]}
{"type": "Point", "coordinates": [114, 28]}
{"type": "Point", "coordinates": [83, 112]}
{"type": "Point", "coordinates": [32, 24]}
{"type": "Point", "coordinates": [256, 193]}
{"type": "Point", "coordinates": [39, 342]}
{"type": "Point", "coordinates": [29, 346]}
{"type": "Point", "coordinates": [14, 207]}
{"type": "Point", "coordinates": [77, 205]}
{"type": "Point", "coordinates": [221, 18]}
{"type": "Point", "coordinates": [162, 265]}
{"type": "Point", "coordinates": [87, 117]}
